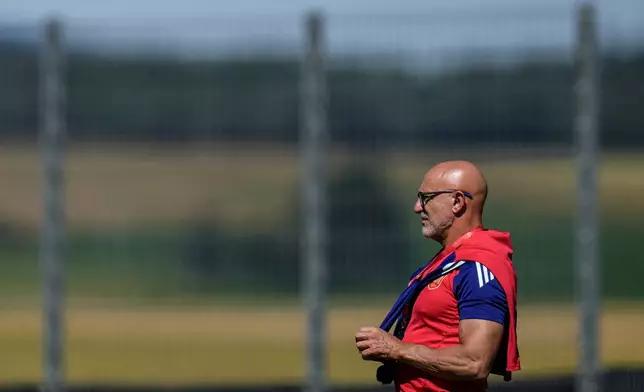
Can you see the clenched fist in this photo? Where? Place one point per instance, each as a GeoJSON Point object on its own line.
{"type": "Point", "coordinates": [375, 344]}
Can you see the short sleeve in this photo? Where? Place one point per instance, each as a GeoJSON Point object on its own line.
{"type": "Point", "coordinates": [479, 294]}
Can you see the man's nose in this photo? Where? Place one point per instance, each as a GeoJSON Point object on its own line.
{"type": "Point", "coordinates": [417, 207]}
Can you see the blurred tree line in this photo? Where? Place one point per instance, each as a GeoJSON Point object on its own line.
{"type": "Point", "coordinates": [165, 100]}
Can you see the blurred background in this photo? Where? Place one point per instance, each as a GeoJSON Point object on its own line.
{"type": "Point", "coordinates": [184, 168]}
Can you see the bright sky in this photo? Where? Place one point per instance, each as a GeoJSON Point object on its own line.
{"type": "Point", "coordinates": [410, 26]}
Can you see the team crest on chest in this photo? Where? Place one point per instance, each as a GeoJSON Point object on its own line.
{"type": "Point", "coordinates": [436, 284]}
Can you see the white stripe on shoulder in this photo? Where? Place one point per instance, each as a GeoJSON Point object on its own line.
{"type": "Point", "coordinates": [485, 275]}
{"type": "Point", "coordinates": [478, 271]}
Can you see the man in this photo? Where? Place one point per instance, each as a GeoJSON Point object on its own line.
{"type": "Point", "coordinates": [456, 322]}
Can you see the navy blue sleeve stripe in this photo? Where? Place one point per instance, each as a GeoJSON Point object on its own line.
{"type": "Point", "coordinates": [479, 294]}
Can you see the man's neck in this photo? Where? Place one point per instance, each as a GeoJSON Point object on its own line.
{"type": "Point", "coordinates": [457, 232]}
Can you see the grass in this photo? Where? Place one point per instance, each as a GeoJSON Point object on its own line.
{"type": "Point", "coordinates": [155, 265]}
{"type": "Point", "coordinates": [265, 345]}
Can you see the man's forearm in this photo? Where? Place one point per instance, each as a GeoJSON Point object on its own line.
{"type": "Point", "coordinates": [451, 363]}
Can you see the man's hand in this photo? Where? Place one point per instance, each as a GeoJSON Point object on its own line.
{"type": "Point", "coordinates": [377, 345]}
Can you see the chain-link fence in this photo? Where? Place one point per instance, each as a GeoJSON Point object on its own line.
{"type": "Point", "coordinates": [202, 158]}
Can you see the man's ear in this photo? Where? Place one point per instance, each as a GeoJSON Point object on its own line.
{"type": "Point", "coordinates": [459, 206]}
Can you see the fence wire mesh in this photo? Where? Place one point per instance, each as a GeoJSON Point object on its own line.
{"type": "Point", "coordinates": [184, 177]}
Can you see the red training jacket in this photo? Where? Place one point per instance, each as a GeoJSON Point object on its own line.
{"type": "Point", "coordinates": [435, 319]}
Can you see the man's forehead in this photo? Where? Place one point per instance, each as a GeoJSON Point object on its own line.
{"type": "Point", "coordinates": [442, 176]}
{"type": "Point", "coordinates": [430, 182]}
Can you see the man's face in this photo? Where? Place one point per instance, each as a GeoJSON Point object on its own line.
{"type": "Point", "coordinates": [435, 213]}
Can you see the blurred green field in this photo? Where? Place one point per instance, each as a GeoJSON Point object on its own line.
{"type": "Point", "coordinates": [265, 344]}
{"type": "Point", "coordinates": [130, 212]}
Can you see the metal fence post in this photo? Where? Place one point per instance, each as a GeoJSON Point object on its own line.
{"type": "Point", "coordinates": [52, 131]}
{"type": "Point", "coordinates": [313, 143]}
{"type": "Point", "coordinates": [587, 238]}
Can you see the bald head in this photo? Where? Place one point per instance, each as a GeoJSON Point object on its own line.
{"type": "Point", "coordinates": [459, 175]}
{"type": "Point", "coordinates": [445, 206]}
